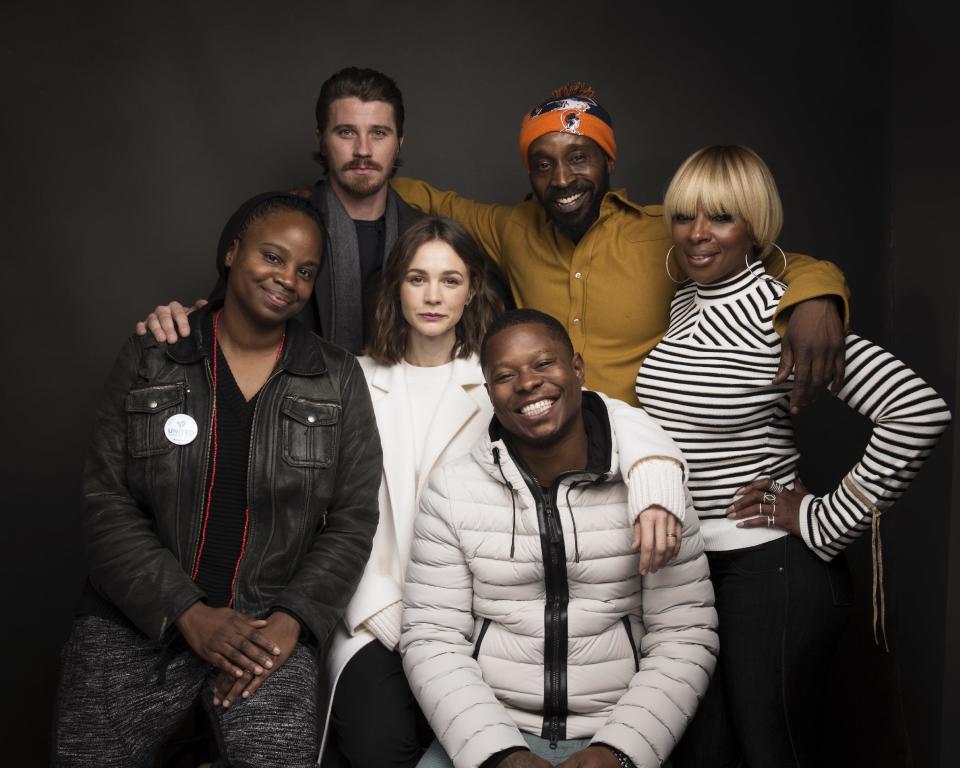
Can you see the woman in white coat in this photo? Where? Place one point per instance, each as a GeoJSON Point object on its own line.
{"type": "Point", "coordinates": [430, 403]}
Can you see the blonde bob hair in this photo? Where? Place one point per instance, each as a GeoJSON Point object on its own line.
{"type": "Point", "coordinates": [730, 180]}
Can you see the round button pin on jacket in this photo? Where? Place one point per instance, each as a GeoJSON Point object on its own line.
{"type": "Point", "coordinates": [180, 429]}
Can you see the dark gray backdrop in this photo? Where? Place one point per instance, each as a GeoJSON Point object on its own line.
{"type": "Point", "coordinates": [131, 132]}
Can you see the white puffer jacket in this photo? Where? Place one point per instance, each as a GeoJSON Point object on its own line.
{"type": "Point", "coordinates": [507, 628]}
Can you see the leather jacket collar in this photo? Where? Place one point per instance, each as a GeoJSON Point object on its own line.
{"type": "Point", "coordinates": [299, 358]}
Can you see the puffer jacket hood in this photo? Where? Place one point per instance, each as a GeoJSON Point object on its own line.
{"type": "Point", "coordinates": [602, 460]}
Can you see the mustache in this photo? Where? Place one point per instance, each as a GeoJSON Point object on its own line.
{"type": "Point", "coordinates": [359, 164]}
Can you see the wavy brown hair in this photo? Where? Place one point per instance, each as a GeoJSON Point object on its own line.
{"type": "Point", "coordinates": [390, 329]}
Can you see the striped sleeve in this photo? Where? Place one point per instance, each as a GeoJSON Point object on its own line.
{"type": "Point", "coordinates": [908, 416]}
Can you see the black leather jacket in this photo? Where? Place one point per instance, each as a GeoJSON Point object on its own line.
{"type": "Point", "coordinates": [314, 472]}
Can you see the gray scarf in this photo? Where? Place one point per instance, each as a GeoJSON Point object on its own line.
{"type": "Point", "coordinates": [342, 322]}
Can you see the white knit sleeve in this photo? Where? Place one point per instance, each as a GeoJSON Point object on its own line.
{"type": "Point", "coordinates": [650, 460]}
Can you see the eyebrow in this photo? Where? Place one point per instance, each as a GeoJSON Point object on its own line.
{"type": "Point", "coordinates": [572, 146]}
{"type": "Point", "coordinates": [276, 245]}
{"type": "Point", "coordinates": [354, 126]}
{"type": "Point", "coordinates": [445, 272]}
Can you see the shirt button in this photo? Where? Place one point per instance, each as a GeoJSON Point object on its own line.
{"type": "Point", "coordinates": [576, 321]}
{"type": "Point", "coordinates": [311, 419]}
{"type": "Point", "coordinates": [578, 275]}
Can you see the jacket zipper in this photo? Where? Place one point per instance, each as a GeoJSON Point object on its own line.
{"type": "Point", "coordinates": [483, 631]}
{"type": "Point", "coordinates": [633, 645]}
{"type": "Point", "coordinates": [558, 597]}
{"type": "Point", "coordinates": [555, 645]}
{"type": "Point", "coordinates": [249, 522]}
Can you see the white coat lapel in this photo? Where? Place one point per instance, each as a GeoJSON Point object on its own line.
{"type": "Point", "coordinates": [392, 409]}
{"type": "Point", "coordinates": [455, 409]}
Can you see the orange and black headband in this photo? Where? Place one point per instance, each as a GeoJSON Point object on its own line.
{"type": "Point", "coordinates": [576, 115]}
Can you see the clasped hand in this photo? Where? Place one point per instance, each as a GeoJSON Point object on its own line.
{"type": "Point", "coordinates": [244, 649]}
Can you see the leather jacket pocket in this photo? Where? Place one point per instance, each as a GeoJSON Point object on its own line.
{"type": "Point", "coordinates": [147, 411]}
{"type": "Point", "coordinates": [309, 431]}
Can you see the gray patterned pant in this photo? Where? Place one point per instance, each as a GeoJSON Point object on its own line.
{"type": "Point", "coordinates": [112, 711]}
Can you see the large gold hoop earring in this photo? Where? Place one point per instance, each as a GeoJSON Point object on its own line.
{"type": "Point", "coordinates": [667, 265]}
{"type": "Point", "coordinates": [784, 270]}
{"type": "Point", "coordinates": [746, 260]}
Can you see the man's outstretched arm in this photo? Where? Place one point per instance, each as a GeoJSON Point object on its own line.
{"type": "Point", "coordinates": [812, 319]}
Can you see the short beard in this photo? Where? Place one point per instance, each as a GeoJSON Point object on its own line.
{"type": "Point", "coordinates": [575, 230]}
{"type": "Point", "coordinates": [367, 188]}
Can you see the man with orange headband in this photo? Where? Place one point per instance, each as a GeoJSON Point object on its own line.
{"type": "Point", "coordinates": [594, 260]}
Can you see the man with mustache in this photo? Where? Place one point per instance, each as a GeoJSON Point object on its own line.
{"type": "Point", "coordinates": [595, 260]}
{"type": "Point", "coordinates": [359, 134]}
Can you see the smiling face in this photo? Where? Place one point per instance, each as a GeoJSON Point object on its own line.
{"type": "Point", "coordinates": [434, 291]}
{"type": "Point", "coordinates": [273, 267]}
{"type": "Point", "coordinates": [534, 382]}
{"type": "Point", "coordinates": [712, 247]}
{"type": "Point", "coordinates": [569, 174]}
{"type": "Point", "coordinates": [360, 144]}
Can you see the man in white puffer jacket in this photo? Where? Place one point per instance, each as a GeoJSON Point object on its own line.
{"type": "Point", "coordinates": [529, 636]}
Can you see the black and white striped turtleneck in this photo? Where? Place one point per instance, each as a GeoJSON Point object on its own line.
{"type": "Point", "coordinates": [708, 383]}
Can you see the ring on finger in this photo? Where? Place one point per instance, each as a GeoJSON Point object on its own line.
{"type": "Point", "coordinates": [776, 487]}
{"type": "Point", "coordinates": [769, 521]}
{"type": "Point", "coordinates": [671, 535]}
{"type": "Point", "coordinates": [769, 498]}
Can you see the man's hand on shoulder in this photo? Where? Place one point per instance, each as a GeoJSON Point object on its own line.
{"type": "Point", "coordinates": [283, 630]}
{"type": "Point", "coordinates": [168, 322]}
{"type": "Point", "coordinates": [591, 757]}
{"type": "Point", "coordinates": [656, 533]}
{"type": "Point", "coordinates": [813, 347]}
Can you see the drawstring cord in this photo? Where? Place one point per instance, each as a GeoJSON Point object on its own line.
{"type": "Point", "coordinates": [879, 616]}
{"type": "Point", "coordinates": [513, 500]}
{"type": "Point", "coordinates": [576, 540]}
{"type": "Point", "coordinates": [876, 547]}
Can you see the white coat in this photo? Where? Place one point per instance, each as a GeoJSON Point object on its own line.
{"type": "Point", "coordinates": [463, 414]}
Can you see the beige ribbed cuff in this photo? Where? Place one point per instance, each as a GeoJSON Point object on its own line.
{"type": "Point", "coordinates": [385, 625]}
{"type": "Point", "coordinates": [656, 481]}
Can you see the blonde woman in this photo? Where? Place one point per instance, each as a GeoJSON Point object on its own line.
{"type": "Point", "coordinates": [775, 549]}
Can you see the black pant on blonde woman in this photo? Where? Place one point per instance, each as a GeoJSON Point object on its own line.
{"type": "Point", "coordinates": [781, 612]}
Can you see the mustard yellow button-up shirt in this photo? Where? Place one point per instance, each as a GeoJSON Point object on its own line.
{"type": "Point", "coordinates": [611, 289]}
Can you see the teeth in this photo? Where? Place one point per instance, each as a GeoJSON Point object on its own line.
{"type": "Point", "coordinates": [570, 199]}
{"type": "Point", "coordinates": [537, 408]}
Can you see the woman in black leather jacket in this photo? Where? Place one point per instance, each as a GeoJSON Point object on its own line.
{"type": "Point", "coordinates": [230, 505]}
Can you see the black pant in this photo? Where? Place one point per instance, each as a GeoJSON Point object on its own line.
{"type": "Point", "coordinates": [781, 611]}
{"type": "Point", "coordinates": [375, 721]}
